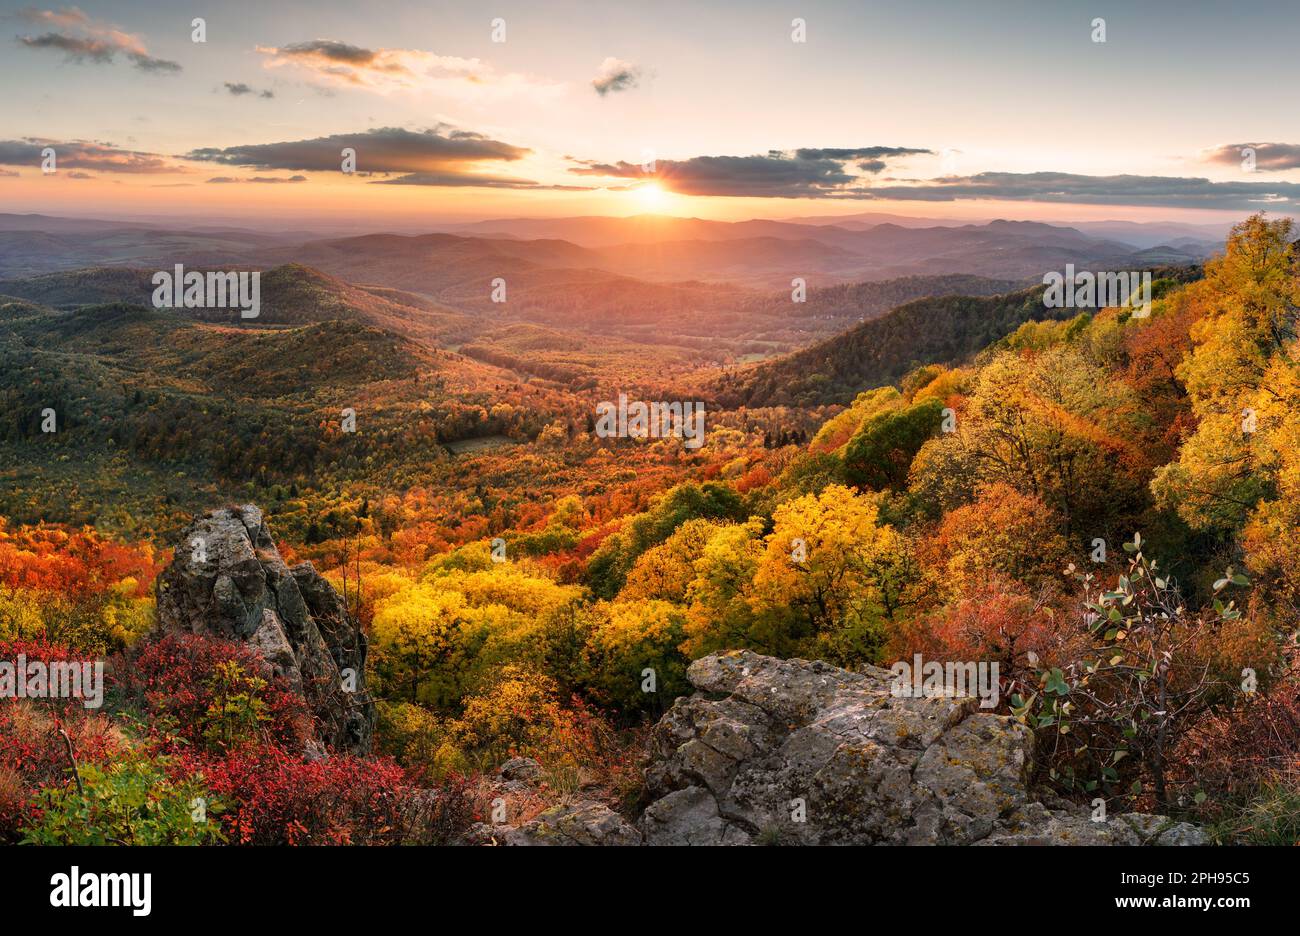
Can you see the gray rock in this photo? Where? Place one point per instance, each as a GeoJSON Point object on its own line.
{"type": "Point", "coordinates": [581, 823]}
{"type": "Point", "coordinates": [522, 769]}
{"type": "Point", "coordinates": [228, 580]}
{"type": "Point", "coordinates": [801, 752]}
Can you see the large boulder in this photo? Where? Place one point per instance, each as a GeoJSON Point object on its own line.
{"type": "Point", "coordinates": [227, 580]}
{"type": "Point", "coordinates": [788, 751]}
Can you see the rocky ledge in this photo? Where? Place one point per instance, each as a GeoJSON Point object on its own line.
{"type": "Point", "coordinates": [793, 752]}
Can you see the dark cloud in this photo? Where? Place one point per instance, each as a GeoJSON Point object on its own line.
{"type": "Point", "coordinates": [825, 173]}
{"type": "Point", "coordinates": [387, 149]}
{"type": "Point", "coordinates": [239, 89]}
{"type": "Point", "coordinates": [148, 64]}
{"type": "Point", "coordinates": [79, 175]}
{"type": "Point", "coordinates": [466, 180]}
{"type": "Point", "coordinates": [329, 49]}
{"type": "Point", "coordinates": [83, 154]}
{"type": "Point", "coordinates": [1064, 187]}
{"type": "Point", "coordinates": [78, 50]}
{"type": "Point", "coordinates": [616, 75]}
{"type": "Point", "coordinates": [265, 180]}
{"type": "Point", "coordinates": [804, 173]}
{"type": "Point", "coordinates": [1269, 157]}
{"type": "Point", "coordinates": [861, 152]}
{"type": "Point", "coordinates": [83, 40]}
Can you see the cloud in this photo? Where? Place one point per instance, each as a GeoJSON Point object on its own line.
{"type": "Point", "coordinates": [616, 75]}
{"type": "Point", "coordinates": [330, 50]}
{"type": "Point", "coordinates": [852, 173]}
{"type": "Point", "coordinates": [803, 173]}
{"type": "Point", "coordinates": [8, 174]}
{"type": "Point", "coordinates": [79, 175]}
{"type": "Point", "coordinates": [83, 154]}
{"type": "Point", "coordinates": [439, 156]}
{"type": "Point", "coordinates": [1269, 157]}
{"type": "Point", "coordinates": [471, 180]}
{"type": "Point", "coordinates": [1064, 187]}
{"type": "Point", "coordinates": [861, 152]}
{"type": "Point", "coordinates": [384, 71]}
{"type": "Point", "coordinates": [265, 180]}
{"type": "Point", "coordinates": [83, 40]}
{"type": "Point", "coordinates": [440, 149]}
{"type": "Point", "coordinates": [239, 89]}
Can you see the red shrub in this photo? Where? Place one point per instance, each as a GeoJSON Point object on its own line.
{"type": "Point", "coordinates": [33, 752]}
{"type": "Point", "coordinates": [276, 798]}
{"type": "Point", "coordinates": [172, 678]}
{"type": "Point", "coordinates": [1233, 752]}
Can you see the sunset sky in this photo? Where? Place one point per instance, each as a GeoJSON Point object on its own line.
{"type": "Point", "coordinates": [937, 109]}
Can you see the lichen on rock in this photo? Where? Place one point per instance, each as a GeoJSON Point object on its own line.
{"type": "Point", "coordinates": [798, 752]}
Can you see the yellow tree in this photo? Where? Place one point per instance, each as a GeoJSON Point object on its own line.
{"type": "Point", "coordinates": [1242, 377]}
{"type": "Point", "coordinates": [834, 572]}
{"type": "Point", "coordinates": [1240, 469]}
{"type": "Point", "coordinates": [719, 615]}
{"type": "Point", "coordinates": [415, 631]}
{"type": "Point", "coordinates": [665, 571]}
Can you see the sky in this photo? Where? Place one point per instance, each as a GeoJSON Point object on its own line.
{"type": "Point", "coordinates": [460, 111]}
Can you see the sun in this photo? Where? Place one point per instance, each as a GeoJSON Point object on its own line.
{"type": "Point", "coordinates": [651, 194]}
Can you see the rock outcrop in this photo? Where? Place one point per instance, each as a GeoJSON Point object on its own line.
{"type": "Point", "coordinates": [227, 579]}
{"type": "Point", "coordinates": [793, 752]}
{"type": "Point", "coordinates": [578, 822]}
{"type": "Point", "coordinates": [581, 823]}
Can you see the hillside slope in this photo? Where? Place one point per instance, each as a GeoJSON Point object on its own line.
{"type": "Point", "coordinates": [932, 330]}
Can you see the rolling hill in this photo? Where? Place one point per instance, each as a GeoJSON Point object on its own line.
{"type": "Point", "coordinates": [938, 329]}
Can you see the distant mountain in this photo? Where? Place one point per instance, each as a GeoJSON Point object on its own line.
{"type": "Point", "coordinates": [433, 264]}
{"type": "Point", "coordinates": [292, 294]}
{"type": "Point", "coordinates": [1204, 238]}
{"type": "Point", "coordinates": [51, 224]}
{"type": "Point", "coordinates": [599, 231]}
{"type": "Point", "coordinates": [66, 244]}
{"type": "Point", "coordinates": [545, 281]}
{"type": "Point", "coordinates": [869, 219]}
{"type": "Point", "coordinates": [762, 262]}
{"type": "Point", "coordinates": [758, 254]}
{"type": "Point", "coordinates": [458, 268]}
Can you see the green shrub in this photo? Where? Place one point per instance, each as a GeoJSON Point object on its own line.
{"type": "Point", "coordinates": [131, 802]}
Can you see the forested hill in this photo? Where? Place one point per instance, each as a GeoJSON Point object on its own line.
{"type": "Point", "coordinates": [932, 330]}
{"type": "Point", "coordinates": [935, 329]}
